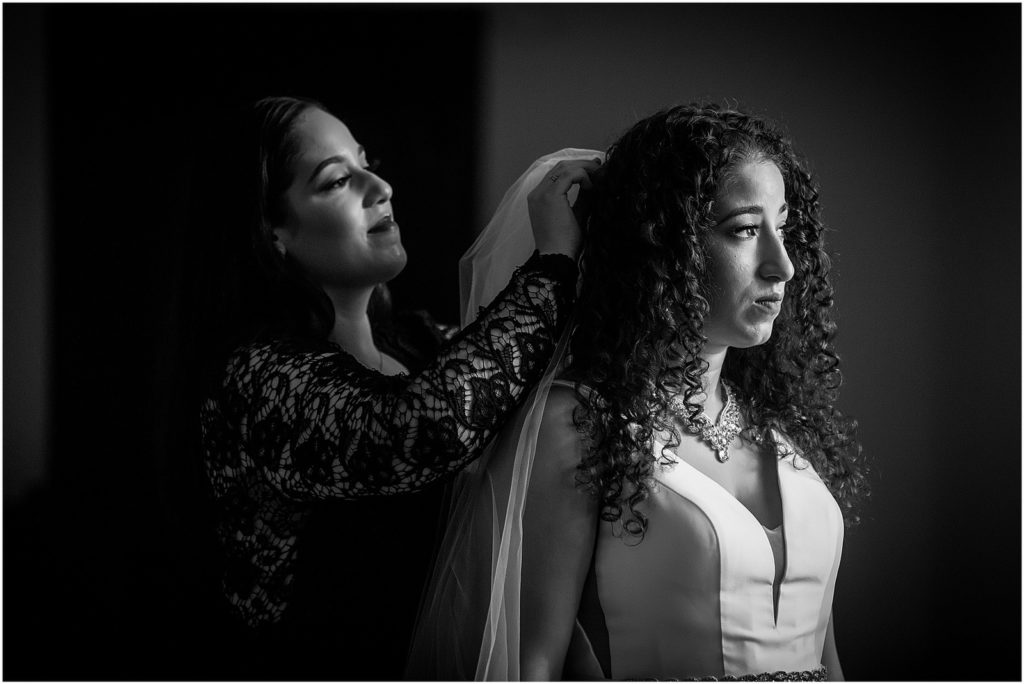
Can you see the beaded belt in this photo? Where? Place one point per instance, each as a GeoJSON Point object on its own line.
{"type": "Point", "coordinates": [819, 675]}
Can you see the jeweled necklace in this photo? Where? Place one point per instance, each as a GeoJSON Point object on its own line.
{"type": "Point", "coordinates": [718, 435]}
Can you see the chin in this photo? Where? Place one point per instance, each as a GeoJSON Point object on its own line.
{"type": "Point", "coordinates": [753, 337]}
{"type": "Point", "coordinates": [382, 268]}
{"type": "Point", "coordinates": [395, 265]}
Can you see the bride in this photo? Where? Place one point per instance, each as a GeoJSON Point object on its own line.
{"type": "Point", "coordinates": [670, 502]}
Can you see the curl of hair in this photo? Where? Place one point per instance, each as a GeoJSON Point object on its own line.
{"type": "Point", "coordinates": [645, 294]}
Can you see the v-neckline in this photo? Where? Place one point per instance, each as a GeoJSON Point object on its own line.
{"type": "Point", "coordinates": [763, 529]}
{"type": "Point", "coordinates": [730, 495]}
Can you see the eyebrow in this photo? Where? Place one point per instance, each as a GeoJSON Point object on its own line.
{"type": "Point", "coordinates": [336, 159]}
{"type": "Point", "coordinates": [750, 209]}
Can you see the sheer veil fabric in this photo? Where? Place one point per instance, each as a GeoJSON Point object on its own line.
{"type": "Point", "coordinates": [469, 625]}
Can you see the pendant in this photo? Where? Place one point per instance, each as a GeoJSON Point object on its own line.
{"type": "Point", "coordinates": [718, 437]}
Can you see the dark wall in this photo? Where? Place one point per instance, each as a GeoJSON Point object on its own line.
{"type": "Point", "coordinates": [25, 217]}
{"type": "Point", "coordinates": [105, 560]}
{"type": "Point", "coordinates": [910, 117]}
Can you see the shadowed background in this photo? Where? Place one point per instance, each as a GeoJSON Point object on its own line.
{"type": "Point", "coordinates": [909, 115]}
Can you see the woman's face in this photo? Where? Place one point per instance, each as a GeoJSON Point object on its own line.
{"type": "Point", "coordinates": [339, 225]}
{"type": "Point", "coordinates": [749, 263]}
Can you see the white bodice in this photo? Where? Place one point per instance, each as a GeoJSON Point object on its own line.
{"type": "Point", "coordinates": [695, 597]}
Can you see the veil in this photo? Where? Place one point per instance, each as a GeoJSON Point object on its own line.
{"type": "Point", "coordinates": [468, 627]}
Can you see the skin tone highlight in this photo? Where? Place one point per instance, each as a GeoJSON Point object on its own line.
{"type": "Point", "coordinates": [339, 226]}
{"type": "Point", "coordinates": [750, 267]}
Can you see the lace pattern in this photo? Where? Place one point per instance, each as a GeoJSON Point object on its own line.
{"type": "Point", "coordinates": [294, 423]}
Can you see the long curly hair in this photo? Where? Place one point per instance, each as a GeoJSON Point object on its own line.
{"type": "Point", "coordinates": [645, 293]}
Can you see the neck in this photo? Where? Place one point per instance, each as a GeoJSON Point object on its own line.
{"type": "Point", "coordinates": [714, 401]}
{"type": "Point", "coordinates": [352, 330]}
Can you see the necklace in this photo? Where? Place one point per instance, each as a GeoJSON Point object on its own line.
{"type": "Point", "coordinates": [718, 435]}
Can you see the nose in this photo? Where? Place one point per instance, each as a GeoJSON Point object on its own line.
{"type": "Point", "coordinates": [378, 190]}
{"type": "Point", "coordinates": [774, 259]}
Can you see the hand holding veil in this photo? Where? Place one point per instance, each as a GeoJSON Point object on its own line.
{"type": "Point", "coordinates": [469, 624]}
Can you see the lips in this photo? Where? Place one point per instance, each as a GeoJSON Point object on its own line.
{"type": "Point", "coordinates": [386, 224]}
{"type": "Point", "coordinates": [770, 304]}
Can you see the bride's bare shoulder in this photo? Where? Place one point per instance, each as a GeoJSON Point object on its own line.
{"type": "Point", "coordinates": [563, 398]}
{"type": "Point", "coordinates": [571, 392]}
{"type": "Point", "coordinates": [559, 431]}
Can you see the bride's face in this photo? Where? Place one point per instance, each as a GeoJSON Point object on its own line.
{"type": "Point", "coordinates": [749, 263]}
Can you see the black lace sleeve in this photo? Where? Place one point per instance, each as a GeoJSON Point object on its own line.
{"type": "Point", "coordinates": [314, 424]}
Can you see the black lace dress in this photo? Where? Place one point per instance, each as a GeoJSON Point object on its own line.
{"type": "Point", "coordinates": [304, 448]}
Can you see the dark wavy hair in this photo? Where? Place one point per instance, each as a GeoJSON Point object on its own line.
{"type": "Point", "coordinates": [253, 294]}
{"type": "Point", "coordinates": [644, 297]}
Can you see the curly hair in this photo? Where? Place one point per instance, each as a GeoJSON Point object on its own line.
{"type": "Point", "coordinates": [645, 294]}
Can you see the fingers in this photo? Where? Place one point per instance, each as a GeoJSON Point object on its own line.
{"type": "Point", "coordinates": [554, 224]}
{"type": "Point", "coordinates": [556, 228]}
{"type": "Point", "coordinates": [563, 176]}
{"type": "Point", "coordinates": [568, 173]}
{"type": "Point", "coordinates": [571, 177]}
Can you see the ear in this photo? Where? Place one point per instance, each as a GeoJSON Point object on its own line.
{"type": "Point", "coordinates": [280, 237]}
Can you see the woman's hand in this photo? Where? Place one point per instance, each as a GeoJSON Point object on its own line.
{"type": "Point", "coordinates": [555, 228]}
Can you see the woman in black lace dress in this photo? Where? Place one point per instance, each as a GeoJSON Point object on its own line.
{"type": "Point", "coordinates": [310, 417]}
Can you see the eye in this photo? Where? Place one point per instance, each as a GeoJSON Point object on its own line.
{"type": "Point", "coordinates": [745, 231]}
{"type": "Point", "coordinates": [338, 183]}
{"type": "Point", "coordinates": [373, 165]}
